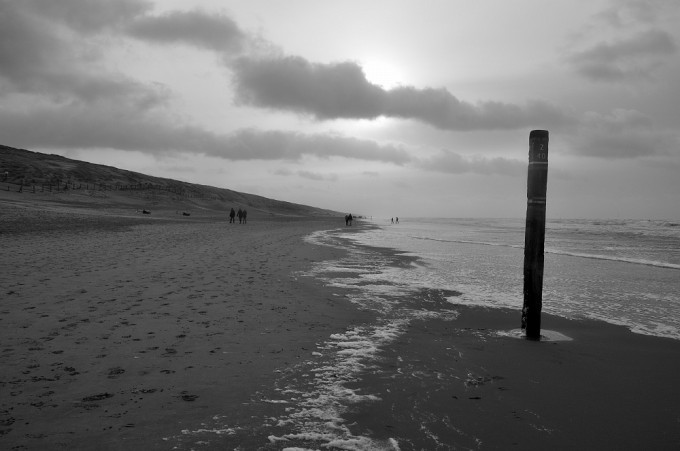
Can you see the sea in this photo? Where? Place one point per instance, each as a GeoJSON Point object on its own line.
{"type": "Point", "coordinates": [624, 272]}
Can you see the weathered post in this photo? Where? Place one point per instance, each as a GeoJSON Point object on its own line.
{"type": "Point", "coordinates": [534, 234]}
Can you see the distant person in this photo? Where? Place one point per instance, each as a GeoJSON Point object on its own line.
{"type": "Point", "coordinates": [245, 215]}
{"type": "Point", "coordinates": [397, 219]}
{"type": "Point", "coordinates": [392, 220]}
{"type": "Point", "coordinates": [232, 216]}
{"type": "Point", "coordinates": [349, 219]}
{"type": "Point", "coordinates": [240, 215]}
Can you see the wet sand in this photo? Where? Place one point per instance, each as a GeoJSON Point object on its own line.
{"type": "Point", "coordinates": [124, 332]}
{"type": "Point", "coordinates": [460, 385]}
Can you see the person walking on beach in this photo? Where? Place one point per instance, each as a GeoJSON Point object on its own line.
{"type": "Point", "coordinates": [232, 215]}
{"type": "Point", "coordinates": [245, 215]}
{"type": "Point", "coordinates": [240, 215]}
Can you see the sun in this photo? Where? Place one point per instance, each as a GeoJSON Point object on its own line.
{"type": "Point", "coordinates": [383, 73]}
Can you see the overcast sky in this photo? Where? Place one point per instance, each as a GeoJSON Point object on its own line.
{"type": "Point", "coordinates": [382, 107]}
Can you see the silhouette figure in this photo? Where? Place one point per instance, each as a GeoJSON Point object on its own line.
{"type": "Point", "coordinates": [232, 216]}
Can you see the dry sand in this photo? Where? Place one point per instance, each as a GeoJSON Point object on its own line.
{"type": "Point", "coordinates": [121, 331]}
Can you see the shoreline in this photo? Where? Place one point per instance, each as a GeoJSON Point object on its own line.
{"type": "Point", "coordinates": [459, 377]}
{"type": "Point", "coordinates": [206, 335]}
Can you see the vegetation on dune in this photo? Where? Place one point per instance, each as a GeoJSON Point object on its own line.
{"type": "Point", "coordinates": [35, 172]}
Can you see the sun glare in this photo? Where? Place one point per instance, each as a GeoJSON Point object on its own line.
{"type": "Point", "coordinates": [383, 73]}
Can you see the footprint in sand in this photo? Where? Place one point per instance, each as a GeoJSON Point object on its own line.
{"type": "Point", "coordinates": [115, 372]}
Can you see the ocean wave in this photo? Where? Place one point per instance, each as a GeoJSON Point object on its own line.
{"type": "Point", "coordinates": [483, 243]}
{"type": "Point", "coordinates": [632, 260]}
{"type": "Point", "coordinates": [636, 261]}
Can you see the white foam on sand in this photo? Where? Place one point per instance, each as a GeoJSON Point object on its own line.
{"type": "Point", "coordinates": [318, 406]}
{"type": "Point", "coordinates": [546, 335]}
{"type": "Point", "coordinates": [317, 393]}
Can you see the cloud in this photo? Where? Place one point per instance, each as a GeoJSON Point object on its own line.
{"type": "Point", "coordinates": [341, 91]}
{"type": "Point", "coordinates": [622, 133]}
{"type": "Point", "coordinates": [441, 109]}
{"type": "Point", "coordinates": [452, 163]}
{"type": "Point", "coordinates": [39, 58]}
{"type": "Point", "coordinates": [71, 100]}
{"type": "Point", "coordinates": [25, 45]}
{"type": "Point", "coordinates": [102, 126]}
{"type": "Point", "coordinates": [633, 58]}
{"type": "Point", "coordinates": [88, 16]}
{"type": "Point", "coordinates": [267, 145]}
{"type": "Point", "coordinates": [315, 176]}
{"type": "Point", "coordinates": [627, 13]}
{"type": "Point", "coordinates": [120, 127]}
{"type": "Point", "coordinates": [210, 31]}
{"type": "Point", "coordinates": [326, 91]}
{"type": "Point", "coordinates": [57, 91]}
{"type": "Point", "coordinates": [49, 52]}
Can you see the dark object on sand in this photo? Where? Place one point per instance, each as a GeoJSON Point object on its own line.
{"type": "Point", "coordinates": [184, 213]}
{"type": "Point", "coordinates": [534, 235]}
{"type": "Point", "coordinates": [146, 212]}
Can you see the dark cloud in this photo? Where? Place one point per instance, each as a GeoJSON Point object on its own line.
{"type": "Point", "coordinates": [37, 57]}
{"type": "Point", "coordinates": [88, 15]}
{"type": "Point", "coordinates": [326, 91]}
{"type": "Point", "coordinates": [441, 109]}
{"type": "Point", "coordinates": [210, 31]}
{"type": "Point", "coordinates": [453, 163]}
{"type": "Point", "coordinates": [621, 134]}
{"type": "Point", "coordinates": [632, 58]}
{"type": "Point", "coordinates": [25, 46]}
{"type": "Point", "coordinates": [341, 91]}
{"type": "Point", "coordinates": [102, 126]}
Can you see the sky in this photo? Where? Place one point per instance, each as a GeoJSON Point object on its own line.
{"type": "Point", "coordinates": [382, 108]}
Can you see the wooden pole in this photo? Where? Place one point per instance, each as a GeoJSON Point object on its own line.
{"type": "Point", "coordinates": [534, 234]}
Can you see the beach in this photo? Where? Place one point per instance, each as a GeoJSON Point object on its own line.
{"type": "Point", "coordinates": [121, 332]}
